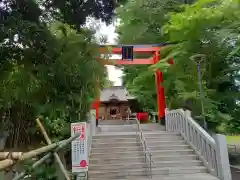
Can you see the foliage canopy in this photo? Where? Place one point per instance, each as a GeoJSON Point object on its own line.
{"type": "Point", "coordinates": [47, 64]}
{"type": "Point", "coordinates": [202, 27]}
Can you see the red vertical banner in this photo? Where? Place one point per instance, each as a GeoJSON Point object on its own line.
{"type": "Point", "coordinates": [159, 89]}
{"type": "Point", "coordinates": [95, 105]}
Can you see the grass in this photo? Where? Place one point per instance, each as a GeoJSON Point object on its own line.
{"type": "Point", "coordinates": [233, 139]}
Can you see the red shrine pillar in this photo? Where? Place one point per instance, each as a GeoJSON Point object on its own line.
{"type": "Point", "coordinates": [160, 90]}
{"type": "Point", "coordinates": [96, 103]}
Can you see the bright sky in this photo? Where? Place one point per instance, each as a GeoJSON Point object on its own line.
{"type": "Point", "coordinates": [114, 74]}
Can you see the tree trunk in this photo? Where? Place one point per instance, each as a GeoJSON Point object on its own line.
{"type": "Point", "coordinates": [22, 118]}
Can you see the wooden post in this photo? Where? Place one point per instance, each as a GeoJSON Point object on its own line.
{"type": "Point", "coordinates": [47, 156]}
{"type": "Point", "coordinates": [57, 158]}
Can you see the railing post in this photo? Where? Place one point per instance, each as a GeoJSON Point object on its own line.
{"type": "Point", "coordinates": [188, 114]}
{"type": "Point", "coordinates": [223, 160]}
{"type": "Point", "coordinates": [167, 119]}
{"type": "Point", "coordinates": [150, 166]}
{"type": "Point", "coordinates": [93, 121]}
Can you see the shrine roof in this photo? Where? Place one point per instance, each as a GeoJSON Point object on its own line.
{"type": "Point", "coordinates": [115, 92]}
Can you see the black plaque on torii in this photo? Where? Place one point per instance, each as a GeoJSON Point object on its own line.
{"type": "Point", "coordinates": [127, 53]}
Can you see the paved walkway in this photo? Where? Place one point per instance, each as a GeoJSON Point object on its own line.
{"type": "Point", "coordinates": [235, 173]}
{"type": "Point", "coordinates": [236, 168]}
{"type": "Point", "coordinates": [116, 122]}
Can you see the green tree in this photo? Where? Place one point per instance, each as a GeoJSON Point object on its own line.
{"type": "Point", "coordinates": [47, 68]}
{"type": "Point", "coordinates": [207, 27]}
{"type": "Point", "coordinates": [201, 28]}
{"type": "Point", "coordinates": [144, 27]}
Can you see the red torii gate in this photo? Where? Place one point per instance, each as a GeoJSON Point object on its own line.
{"type": "Point", "coordinates": [153, 51]}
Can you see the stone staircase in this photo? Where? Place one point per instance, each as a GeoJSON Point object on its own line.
{"type": "Point", "coordinates": [173, 158]}
{"type": "Point", "coordinates": [117, 155]}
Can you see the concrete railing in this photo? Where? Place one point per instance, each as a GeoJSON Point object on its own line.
{"type": "Point", "coordinates": [91, 129]}
{"type": "Point", "coordinates": [147, 154]}
{"type": "Point", "coordinates": [211, 150]}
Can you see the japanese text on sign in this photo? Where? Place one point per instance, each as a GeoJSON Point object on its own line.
{"type": "Point", "coordinates": [79, 129]}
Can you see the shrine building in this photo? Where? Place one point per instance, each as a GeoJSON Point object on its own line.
{"type": "Point", "coordinates": [115, 103]}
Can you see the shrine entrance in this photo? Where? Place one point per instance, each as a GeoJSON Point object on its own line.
{"type": "Point", "coordinates": [114, 111]}
{"type": "Point", "coordinates": [114, 103]}
{"type": "Point", "coordinates": [128, 53]}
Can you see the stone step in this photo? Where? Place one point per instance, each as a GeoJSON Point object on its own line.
{"type": "Point", "coordinates": [142, 171]}
{"type": "Point", "coordinates": [160, 133]}
{"type": "Point", "coordinates": [114, 136]}
{"type": "Point", "coordinates": [116, 160]}
{"type": "Point", "coordinates": [158, 137]}
{"type": "Point", "coordinates": [159, 164]}
{"type": "Point", "coordinates": [165, 142]}
{"type": "Point", "coordinates": [118, 143]}
{"type": "Point", "coordinates": [197, 176]}
{"type": "Point", "coordinates": [139, 153]}
{"type": "Point", "coordinates": [114, 144]}
{"type": "Point", "coordinates": [138, 159]}
{"type": "Point", "coordinates": [174, 157]}
{"type": "Point", "coordinates": [115, 154]}
{"type": "Point", "coordinates": [114, 140]}
{"type": "Point", "coordinates": [169, 147]}
{"type": "Point", "coordinates": [106, 122]}
{"type": "Point", "coordinates": [175, 163]}
{"type": "Point", "coordinates": [117, 128]}
{"type": "Point", "coordinates": [152, 127]}
{"type": "Point", "coordinates": [172, 152]}
{"type": "Point", "coordinates": [112, 149]}
{"type": "Point", "coordinates": [163, 138]}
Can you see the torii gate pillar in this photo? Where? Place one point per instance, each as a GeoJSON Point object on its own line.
{"type": "Point", "coordinates": [159, 90]}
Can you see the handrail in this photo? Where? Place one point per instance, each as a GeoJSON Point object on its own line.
{"type": "Point", "coordinates": [147, 153]}
{"type": "Point", "coordinates": [203, 144]}
{"type": "Point", "coordinates": [212, 151]}
{"type": "Point", "coordinates": [56, 148]}
{"type": "Point", "coordinates": [91, 130]}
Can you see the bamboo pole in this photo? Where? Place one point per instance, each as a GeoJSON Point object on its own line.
{"type": "Point", "coordinates": [19, 156]}
{"type": "Point", "coordinates": [12, 155]}
{"type": "Point", "coordinates": [47, 156]}
{"type": "Point", "coordinates": [61, 166]}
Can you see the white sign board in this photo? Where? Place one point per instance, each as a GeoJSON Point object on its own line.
{"type": "Point", "coordinates": [79, 148]}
